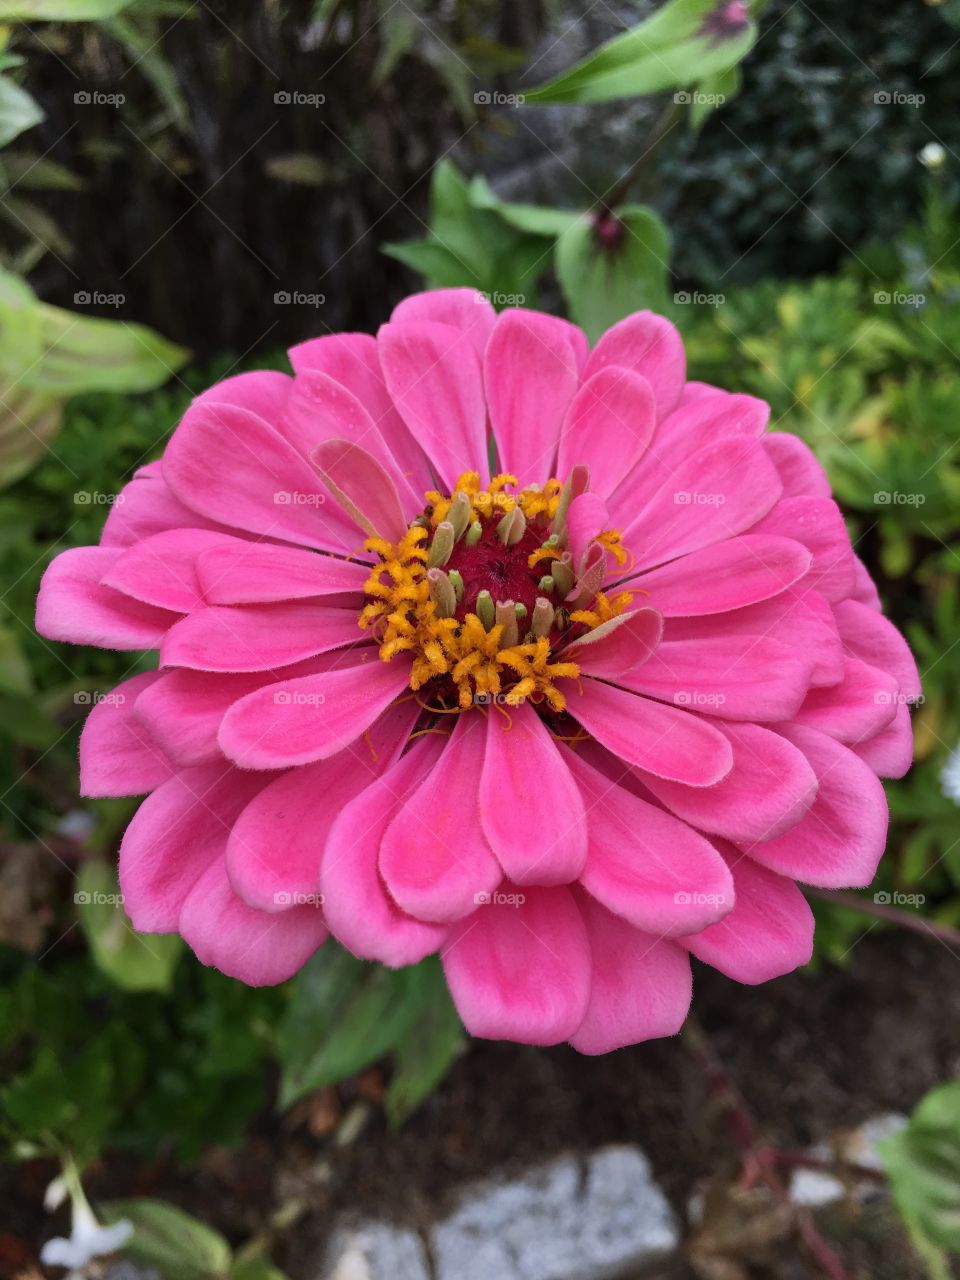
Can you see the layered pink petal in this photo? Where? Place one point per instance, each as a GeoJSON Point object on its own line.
{"type": "Point", "coordinates": [162, 570]}
{"type": "Point", "coordinates": [663, 740]}
{"type": "Point", "coordinates": [175, 836]}
{"type": "Point", "coordinates": [520, 969]}
{"type": "Point", "coordinates": [800, 472]}
{"type": "Point", "coordinates": [587, 516]}
{"type": "Point", "coordinates": [147, 506]}
{"type": "Point", "coordinates": [434, 857]}
{"type": "Point", "coordinates": [839, 841]}
{"type": "Point", "coordinates": [646, 865]}
{"type": "Point", "coordinates": [263, 572]}
{"type": "Point", "coordinates": [257, 637]}
{"type": "Point", "coordinates": [874, 639]}
{"type": "Point", "coordinates": [254, 947]}
{"type": "Point", "coordinates": [301, 720]}
{"type": "Point", "coordinates": [818, 524]}
{"type": "Point", "coordinates": [74, 606]}
{"type": "Point", "coordinates": [118, 757]}
{"type": "Point", "coordinates": [608, 426]}
{"type": "Point", "coordinates": [862, 704]}
{"type": "Point", "coordinates": [717, 493]}
{"type": "Point", "coordinates": [640, 985]}
{"type": "Point", "coordinates": [650, 346]}
{"type": "Point", "coordinates": [890, 752]}
{"type": "Point", "coordinates": [433, 375]}
{"type": "Point", "coordinates": [363, 488]}
{"type": "Point", "coordinates": [631, 640]}
{"type": "Point", "coordinates": [728, 575]}
{"type": "Point", "coordinates": [465, 309]}
{"type": "Point", "coordinates": [357, 907]}
{"type": "Point", "coordinates": [524, 774]}
{"type": "Point", "coordinates": [767, 934]}
{"type": "Point", "coordinates": [739, 677]}
{"type": "Point", "coordinates": [261, 391]}
{"type": "Point", "coordinates": [769, 788]}
{"type": "Point", "coordinates": [231, 466]}
{"type": "Point", "coordinates": [530, 374]}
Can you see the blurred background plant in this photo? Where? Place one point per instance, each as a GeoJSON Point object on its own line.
{"type": "Point", "coordinates": [201, 169]}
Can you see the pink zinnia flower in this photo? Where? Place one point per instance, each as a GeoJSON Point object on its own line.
{"type": "Point", "coordinates": [567, 716]}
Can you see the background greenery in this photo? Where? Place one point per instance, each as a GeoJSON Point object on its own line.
{"type": "Point", "coordinates": [839, 308]}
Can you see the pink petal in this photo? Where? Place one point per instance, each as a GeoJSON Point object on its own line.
{"type": "Point", "coordinates": [587, 516]}
{"type": "Point", "coordinates": [257, 637]}
{"type": "Point", "coordinates": [464, 309]}
{"type": "Point", "coordinates": [640, 986]}
{"type": "Point", "coordinates": [738, 677]}
{"type": "Point", "coordinates": [865, 590]}
{"type": "Point", "coordinates": [276, 844]}
{"type": "Point", "coordinates": [623, 648]}
{"type": "Point", "coordinates": [147, 506]}
{"type": "Point", "coordinates": [663, 740]}
{"type": "Point", "coordinates": [231, 466]}
{"type": "Point", "coordinates": [728, 575]}
{"type": "Point", "coordinates": [434, 857]}
{"type": "Point", "coordinates": [433, 375]}
{"type": "Point", "coordinates": [356, 905]}
{"type": "Point", "coordinates": [861, 705]}
{"type": "Point", "coordinates": [311, 718]}
{"type": "Point", "coordinates": [769, 788]}
{"type": "Point", "coordinates": [646, 865]}
{"type": "Point", "coordinates": [683, 434]}
{"type": "Point", "coordinates": [262, 391]}
{"type": "Point", "coordinates": [841, 838]}
{"type": "Point", "coordinates": [174, 837]}
{"type": "Point", "coordinates": [73, 606]}
{"type": "Point", "coordinates": [800, 473]}
{"type": "Point", "coordinates": [362, 487]}
{"type": "Point", "coordinates": [521, 970]}
{"type": "Point", "coordinates": [818, 524]}
{"type": "Point", "coordinates": [767, 934]}
{"type": "Point", "coordinates": [890, 752]}
{"type": "Point", "coordinates": [650, 346]}
{"type": "Point", "coordinates": [262, 573]}
{"type": "Point", "coordinates": [530, 373]}
{"type": "Point", "coordinates": [162, 570]}
{"type": "Point", "coordinates": [353, 360]}
{"type": "Point", "coordinates": [717, 493]}
{"type": "Point", "coordinates": [183, 710]}
{"type": "Point", "coordinates": [254, 947]}
{"type": "Point", "coordinates": [873, 638]}
{"type": "Point", "coordinates": [320, 407]}
{"type": "Point", "coordinates": [608, 426]}
{"type": "Point", "coordinates": [524, 773]}
{"type": "Point", "coordinates": [117, 755]}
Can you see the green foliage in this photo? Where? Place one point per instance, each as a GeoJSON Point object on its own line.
{"type": "Point", "coordinates": [135, 961]}
{"type": "Point", "coordinates": [346, 1013]}
{"type": "Point", "coordinates": [682, 44]}
{"type": "Point", "coordinates": [923, 1164]}
{"type": "Point", "coordinates": [183, 1248]}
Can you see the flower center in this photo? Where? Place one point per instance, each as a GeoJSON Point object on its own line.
{"type": "Point", "coordinates": [483, 593]}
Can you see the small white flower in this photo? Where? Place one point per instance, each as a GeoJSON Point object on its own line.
{"type": "Point", "coordinates": [932, 156]}
{"type": "Point", "coordinates": [950, 776]}
{"type": "Point", "coordinates": [88, 1239]}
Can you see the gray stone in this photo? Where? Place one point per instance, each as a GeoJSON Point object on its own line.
{"type": "Point", "coordinates": [375, 1251]}
{"type": "Point", "coordinates": [564, 1220]}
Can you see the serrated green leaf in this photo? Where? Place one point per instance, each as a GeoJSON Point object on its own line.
{"type": "Point", "coordinates": [681, 44]}
{"type": "Point", "coordinates": [165, 1237]}
{"type": "Point", "coordinates": [603, 284]}
{"type": "Point", "coordinates": [18, 111]}
{"type": "Point", "coordinates": [923, 1164]}
{"type": "Point", "coordinates": [428, 1048]}
{"type": "Point", "coordinates": [134, 961]}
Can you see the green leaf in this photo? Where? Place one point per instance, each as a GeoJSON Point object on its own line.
{"type": "Point", "coordinates": [711, 94]}
{"type": "Point", "coordinates": [251, 1263]}
{"type": "Point", "coordinates": [345, 1014]}
{"type": "Point", "coordinates": [134, 961]}
{"type": "Point", "coordinates": [602, 284]}
{"type": "Point", "coordinates": [29, 420]}
{"type": "Point", "coordinates": [60, 10]}
{"type": "Point", "coordinates": [37, 173]}
{"type": "Point", "coordinates": [429, 1046]}
{"type": "Point", "coordinates": [438, 266]}
{"type": "Point", "coordinates": [86, 353]}
{"type": "Point", "coordinates": [536, 219]}
{"type": "Point", "coordinates": [167, 1238]}
{"type": "Point", "coordinates": [923, 1163]}
{"type": "Point", "coordinates": [681, 44]}
{"type": "Point", "coordinates": [18, 111]}
{"type": "Point", "coordinates": [15, 674]}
